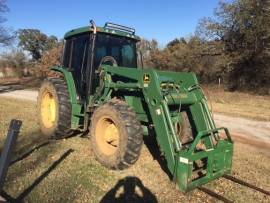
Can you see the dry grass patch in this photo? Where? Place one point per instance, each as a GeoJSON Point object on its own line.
{"type": "Point", "coordinates": [238, 103]}
{"type": "Point", "coordinates": [80, 178]}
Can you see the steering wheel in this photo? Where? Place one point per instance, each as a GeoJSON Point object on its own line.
{"type": "Point", "coordinates": [102, 61]}
{"type": "Point", "coordinates": [106, 59]}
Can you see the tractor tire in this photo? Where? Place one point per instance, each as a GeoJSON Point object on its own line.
{"type": "Point", "coordinates": [116, 135]}
{"type": "Point", "coordinates": [184, 130]}
{"type": "Point", "coordinates": [54, 108]}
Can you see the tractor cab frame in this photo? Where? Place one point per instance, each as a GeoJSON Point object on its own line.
{"type": "Point", "coordinates": [86, 47]}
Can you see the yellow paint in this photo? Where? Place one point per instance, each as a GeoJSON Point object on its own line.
{"type": "Point", "coordinates": [48, 109]}
{"type": "Point", "coordinates": [146, 78]}
{"type": "Point", "coordinates": [107, 136]}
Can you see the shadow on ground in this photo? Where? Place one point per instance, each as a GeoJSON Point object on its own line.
{"type": "Point", "coordinates": [38, 180]}
{"type": "Point", "coordinates": [39, 148]}
{"type": "Point", "coordinates": [130, 189]}
{"type": "Point", "coordinates": [9, 85]}
{"type": "Point", "coordinates": [153, 148]}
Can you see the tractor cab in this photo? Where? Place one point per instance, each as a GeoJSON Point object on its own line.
{"type": "Point", "coordinates": [87, 48]}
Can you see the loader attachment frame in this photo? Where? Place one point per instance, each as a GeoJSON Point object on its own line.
{"type": "Point", "coordinates": [154, 96]}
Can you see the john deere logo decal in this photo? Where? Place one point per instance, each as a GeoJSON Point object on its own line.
{"type": "Point", "coordinates": [146, 78]}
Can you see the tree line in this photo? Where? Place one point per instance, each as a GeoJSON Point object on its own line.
{"type": "Point", "coordinates": [34, 52]}
{"type": "Point", "coordinates": [233, 47]}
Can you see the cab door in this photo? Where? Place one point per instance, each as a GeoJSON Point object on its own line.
{"type": "Point", "coordinates": [75, 59]}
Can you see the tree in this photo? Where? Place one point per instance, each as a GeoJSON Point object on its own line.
{"type": "Point", "coordinates": [49, 59]}
{"type": "Point", "coordinates": [14, 59]}
{"type": "Point", "coordinates": [51, 42]}
{"type": "Point", "coordinates": [147, 48]}
{"type": "Point", "coordinates": [36, 42]}
{"type": "Point", "coordinates": [5, 36]}
{"type": "Point", "coordinates": [243, 28]}
{"type": "Point", "coordinates": [173, 42]}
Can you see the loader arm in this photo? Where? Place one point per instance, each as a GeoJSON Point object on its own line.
{"type": "Point", "coordinates": [155, 96]}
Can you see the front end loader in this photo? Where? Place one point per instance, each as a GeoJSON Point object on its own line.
{"type": "Point", "coordinates": [101, 90]}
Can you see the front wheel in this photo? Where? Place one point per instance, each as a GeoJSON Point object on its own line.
{"type": "Point", "coordinates": [116, 135]}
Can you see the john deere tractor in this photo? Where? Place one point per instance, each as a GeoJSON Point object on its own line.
{"type": "Point", "coordinates": [101, 90]}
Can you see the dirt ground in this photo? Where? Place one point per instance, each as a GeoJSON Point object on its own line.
{"type": "Point", "coordinates": [30, 95]}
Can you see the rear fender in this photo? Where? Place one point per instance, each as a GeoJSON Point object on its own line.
{"type": "Point", "coordinates": [76, 107]}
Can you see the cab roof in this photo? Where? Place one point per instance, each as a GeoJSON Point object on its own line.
{"type": "Point", "coordinates": [109, 28]}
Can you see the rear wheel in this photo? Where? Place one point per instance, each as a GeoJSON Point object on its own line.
{"type": "Point", "coordinates": [184, 129]}
{"type": "Point", "coordinates": [116, 135]}
{"type": "Point", "coordinates": [54, 108]}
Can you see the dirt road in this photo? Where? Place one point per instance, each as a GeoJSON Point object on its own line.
{"type": "Point", "coordinates": [244, 130]}
{"type": "Point", "coordinates": [21, 94]}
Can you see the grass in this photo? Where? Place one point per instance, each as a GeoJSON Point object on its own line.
{"type": "Point", "coordinates": [41, 177]}
{"type": "Point", "coordinates": [238, 103]}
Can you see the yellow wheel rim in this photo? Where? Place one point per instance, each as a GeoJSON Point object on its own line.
{"type": "Point", "coordinates": [48, 109]}
{"type": "Point", "coordinates": [107, 136]}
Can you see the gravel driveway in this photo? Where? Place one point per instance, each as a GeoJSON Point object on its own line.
{"type": "Point", "coordinates": [21, 94]}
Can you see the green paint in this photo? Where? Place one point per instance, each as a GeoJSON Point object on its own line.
{"type": "Point", "coordinates": [152, 94]}
{"type": "Point", "coordinates": [86, 29]}
{"type": "Point", "coordinates": [76, 107]}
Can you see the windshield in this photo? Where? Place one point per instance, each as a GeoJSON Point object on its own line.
{"type": "Point", "coordinates": [123, 50]}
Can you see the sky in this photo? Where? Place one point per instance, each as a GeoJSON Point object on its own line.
{"type": "Point", "coordinates": [163, 20]}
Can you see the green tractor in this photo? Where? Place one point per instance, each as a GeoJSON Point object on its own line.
{"type": "Point", "coordinates": [101, 90]}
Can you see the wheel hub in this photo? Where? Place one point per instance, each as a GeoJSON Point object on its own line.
{"type": "Point", "coordinates": [48, 109]}
{"type": "Point", "coordinates": [107, 136]}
